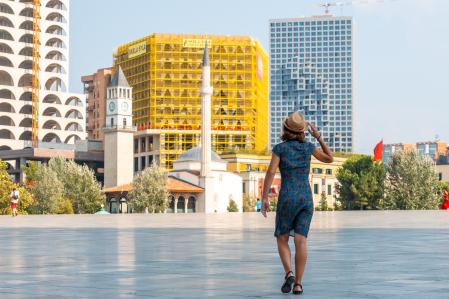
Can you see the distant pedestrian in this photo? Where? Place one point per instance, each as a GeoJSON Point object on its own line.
{"type": "Point", "coordinates": [445, 204]}
{"type": "Point", "coordinates": [295, 203]}
{"type": "Point", "coordinates": [258, 205]}
{"type": "Point", "coordinates": [14, 198]}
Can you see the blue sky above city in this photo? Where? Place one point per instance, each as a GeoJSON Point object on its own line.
{"type": "Point", "coordinates": [402, 51]}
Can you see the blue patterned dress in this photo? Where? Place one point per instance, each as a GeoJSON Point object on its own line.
{"type": "Point", "coordinates": [295, 202]}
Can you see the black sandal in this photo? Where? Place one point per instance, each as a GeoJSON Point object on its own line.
{"type": "Point", "coordinates": [289, 280]}
{"type": "Point", "coordinates": [297, 292]}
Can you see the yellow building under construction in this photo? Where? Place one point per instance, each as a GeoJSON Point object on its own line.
{"type": "Point", "coordinates": [165, 73]}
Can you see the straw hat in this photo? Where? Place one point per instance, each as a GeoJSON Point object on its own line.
{"type": "Point", "coordinates": [296, 123]}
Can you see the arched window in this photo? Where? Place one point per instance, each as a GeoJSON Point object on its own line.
{"type": "Point", "coordinates": [56, 4]}
{"type": "Point", "coordinates": [74, 101]}
{"type": "Point", "coordinates": [6, 107]}
{"type": "Point", "coordinates": [51, 99]}
{"type": "Point", "coordinates": [51, 137]}
{"type": "Point", "coordinates": [57, 30]}
{"type": "Point", "coordinates": [75, 114]}
{"type": "Point", "coordinates": [26, 123]}
{"type": "Point", "coordinates": [56, 17]}
{"type": "Point", "coordinates": [26, 96]}
{"type": "Point", "coordinates": [55, 68]}
{"type": "Point", "coordinates": [26, 12]}
{"type": "Point", "coordinates": [74, 127]}
{"type": "Point", "coordinates": [26, 81]}
{"type": "Point", "coordinates": [191, 205]}
{"type": "Point", "coordinates": [26, 38]}
{"type": "Point", "coordinates": [26, 109]}
{"type": "Point", "coordinates": [4, 48]}
{"type": "Point", "coordinates": [5, 35]}
{"type": "Point", "coordinates": [6, 121]}
{"type": "Point", "coordinates": [27, 25]}
{"type": "Point", "coordinates": [55, 55]}
{"type": "Point", "coordinates": [171, 204]}
{"type": "Point", "coordinates": [180, 207]}
{"type": "Point", "coordinates": [71, 139]}
{"type": "Point", "coordinates": [55, 43]}
{"type": "Point", "coordinates": [5, 8]}
{"type": "Point", "coordinates": [7, 94]}
{"type": "Point", "coordinates": [27, 51]}
{"type": "Point", "coordinates": [26, 64]}
{"type": "Point", "coordinates": [25, 136]}
{"type": "Point", "coordinates": [6, 134]}
{"type": "Point", "coordinates": [51, 111]}
{"type": "Point", "coordinates": [51, 125]}
{"type": "Point", "coordinates": [55, 84]}
{"type": "Point", "coordinates": [6, 79]}
{"type": "Point", "coordinates": [5, 62]}
{"type": "Point", "coordinates": [5, 22]}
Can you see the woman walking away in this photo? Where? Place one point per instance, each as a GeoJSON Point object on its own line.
{"type": "Point", "coordinates": [14, 198]}
{"type": "Point", "coordinates": [295, 203]}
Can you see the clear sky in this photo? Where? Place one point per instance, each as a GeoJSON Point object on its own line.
{"type": "Point", "coordinates": [402, 51]}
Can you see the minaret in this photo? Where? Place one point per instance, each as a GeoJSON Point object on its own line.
{"type": "Point", "coordinates": [206, 92]}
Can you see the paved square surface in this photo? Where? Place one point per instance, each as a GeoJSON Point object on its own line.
{"type": "Point", "coordinates": [351, 255]}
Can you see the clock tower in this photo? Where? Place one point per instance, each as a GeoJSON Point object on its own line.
{"type": "Point", "coordinates": [118, 132]}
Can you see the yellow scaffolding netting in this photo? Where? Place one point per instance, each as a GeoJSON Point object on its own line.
{"type": "Point", "coordinates": [165, 73]}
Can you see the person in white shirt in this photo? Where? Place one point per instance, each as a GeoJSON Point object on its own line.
{"type": "Point", "coordinates": [14, 201]}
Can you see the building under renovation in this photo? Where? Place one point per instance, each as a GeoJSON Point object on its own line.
{"type": "Point", "coordinates": [164, 71]}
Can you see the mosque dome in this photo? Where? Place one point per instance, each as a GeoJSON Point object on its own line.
{"type": "Point", "coordinates": [194, 154]}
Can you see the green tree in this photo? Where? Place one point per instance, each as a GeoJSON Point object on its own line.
{"type": "Point", "coordinates": [30, 171]}
{"type": "Point", "coordinates": [48, 191]}
{"type": "Point", "coordinates": [361, 183]}
{"type": "Point", "coordinates": [63, 180]}
{"type": "Point", "coordinates": [411, 183]}
{"type": "Point", "coordinates": [6, 186]}
{"type": "Point", "coordinates": [232, 207]}
{"type": "Point", "coordinates": [323, 206]}
{"type": "Point", "coordinates": [150, 190]}
{"type": "Point", "coordinates": [249, 204]}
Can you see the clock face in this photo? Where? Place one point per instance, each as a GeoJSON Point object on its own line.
{"type": "Point", "coordinates": [111, 107]}
{"type": "Point", "coordinates": [125, 107]}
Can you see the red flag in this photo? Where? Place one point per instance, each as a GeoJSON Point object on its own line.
{"type": "Point", "coordinates": [378, 151]}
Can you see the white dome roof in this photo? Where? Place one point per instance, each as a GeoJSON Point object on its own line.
{"type": "Point", "coordinates": [194, 154]}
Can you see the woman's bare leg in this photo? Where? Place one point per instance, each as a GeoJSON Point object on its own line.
{"type": "Point", "coordinates": [300, 258]}
{"type": "Point", "coordinates": [284, 252]}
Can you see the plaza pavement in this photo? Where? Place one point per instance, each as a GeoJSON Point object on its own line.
{"type": "Point", "coordinates": [351, 255]}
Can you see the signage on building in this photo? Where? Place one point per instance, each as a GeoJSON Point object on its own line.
{"type": "Point", "coordinates": [137, 49]}
{"type": "Point", "coordinates": [196, 43]}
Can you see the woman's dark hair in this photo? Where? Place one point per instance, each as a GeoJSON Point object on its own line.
{"type": "Point", "coordinates": [290, 135]}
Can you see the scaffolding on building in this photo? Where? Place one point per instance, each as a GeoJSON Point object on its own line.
{"type": "Point", "coordinates": [165, 73]}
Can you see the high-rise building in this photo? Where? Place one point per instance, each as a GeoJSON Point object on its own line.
{"type": "Point", "coordinates": [165, 73]}
{"type": "Point", "coordinates": [312, 70]}
{"type": "Point", "coordinates": [35, 40]}
{"type": "Point", "coordinates": [95, 86]}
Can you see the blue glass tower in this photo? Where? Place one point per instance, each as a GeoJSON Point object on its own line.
{"type": "Point", "coordinates": [312, 70]}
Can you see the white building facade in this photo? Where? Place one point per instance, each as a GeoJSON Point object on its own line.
{"type": "Point", "coordinates": [61, 115]}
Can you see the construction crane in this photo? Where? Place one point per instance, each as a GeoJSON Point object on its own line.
{"type": "Point", "coordinates": [35, 86]}
{"type": "Point", "coordinates": [328, 5]}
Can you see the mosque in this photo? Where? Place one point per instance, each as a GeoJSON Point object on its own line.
{"type": "Point", "coordinates": [199, 181]}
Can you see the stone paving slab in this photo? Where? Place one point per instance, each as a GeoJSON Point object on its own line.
{"type": "Point", "coordinates": [351, 255]}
